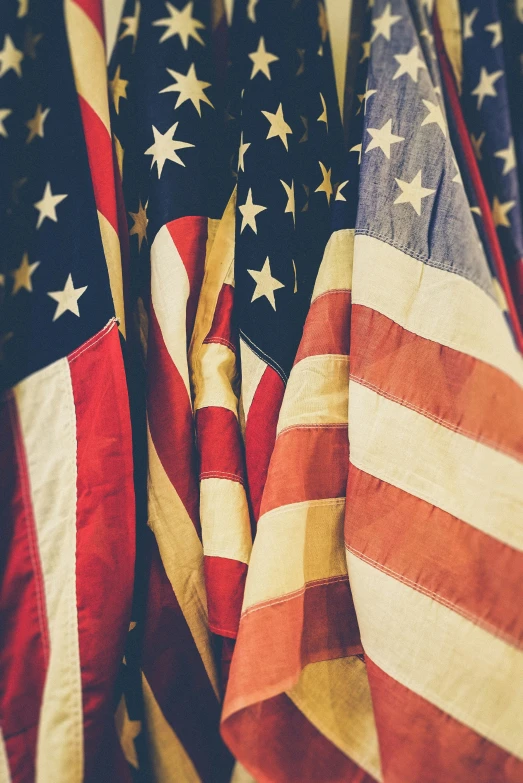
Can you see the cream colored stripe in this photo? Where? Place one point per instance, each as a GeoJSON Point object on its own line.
{"type": "Point", "coordinates": [5, 773]}
{"type": "Point", "coordinates": [335, 697]}
{"type": "Point", "coordinates": [449, 18]}
{"type": "Point", "coordinates": [295, 544]}
{"type": "Point", "coordinates": [226, 525]}
{"type": "Point", "coordinates": [169, 292]}
{"type": "Point", "coordinates": [434, 304]}
{"type": "Point", "coordinates": [113, 259]}
{"type": "Point", "coordinates": [473, 482]}
{"type": "Point", "coordinates": [48, 422]}
{"type": "Point", "coordinates": [182, 556]}
{"type": "Point", "coordinates": [215, 379]}
{"type": "Point", "coordinates": [473, 676]}
{"type": "Point", "coordinates": [240, 775]}
{"type": "Point", "coordinates": [88, 57]}
{"type": "Point", "coordinates": [218, 263]}
{"type": "Point", "coordinates": [169, 759]}
{"type": "Point", "coordinates": [335, 272]}
{"type": "Point", "coordinates": [252, 370]}
{"type": "Point", "coordinates": [316, 393]}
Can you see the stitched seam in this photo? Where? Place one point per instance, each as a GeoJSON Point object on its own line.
{"type": "Point", "coordinates": [92, 341]}
{"type": "Point", "coordinates": [268, 360]}
{"type": "Point", "coordinates": [221, 341]}
{"type": "Point", "coordinates": [221, 474]}
{"type": "Point", "coordinates": [439, 598]}
{"type": "Point", "coordinates": [448, 425]}
{"type": "Point", "coordinates": [342, 425]}
{"type": "Point", "coordinates": [443, 265]}
{"type": "Point", "coordinates": [295, 593]}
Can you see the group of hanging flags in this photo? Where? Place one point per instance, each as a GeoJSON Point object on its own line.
{"type": "Point", "coordinates": [261, 424]}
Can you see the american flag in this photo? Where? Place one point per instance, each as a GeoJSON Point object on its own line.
{"type": "Point", "coordinates": [167, 121]}
{"type": "Point", "coordinates": [423, 679]}
{"type": "Point", "coordinates": [67, 508]}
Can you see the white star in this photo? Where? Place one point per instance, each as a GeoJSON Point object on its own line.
{"type": "Point", "coordinates": [251, 10]}
{"type": "Point", "coordinates": [164, 148]}
{"type": "Point", "coordinates": [383, 138]}
{"type": "Point", "coordinates": [23, 7]}
{"type": "Point", "coordinates": [486, 85]}
{"type": "Point", "coordinates": [118, 89]}
{"type": "Point", "coordinates": [67, 299]}
{"type": "Point", "coordinates": [4, 114]}
{"type": "Point", "coordinates": [36, 124]}
{"type": "Point", "coordinates": [497, 35]}
{"type": "Point", "coordinates": [509, 156]}
{"type": "Point", "coordinates": [357, 148]}
{"type": "Point", "coordinates": [131, 24]}
{"type": "Point", "coordinates": [499, 212]}
{"type": "Point", "coordinates": [413, 192]}
{"type": "Point", "coordinates": [180, 23]}
{"type": "Point", "coordinates": [435, 115]}
{"type": "Point", "coordinates": [10, 58]}
{"type": "Point", "coordinates": [457, 175]}
{"type": "Point", "coordinates": [140, 221]}
{"type": "Point", "coordinates": [383, 24]}
{"type": "Point", "coordinates": [325, 186]}
{"type": "Point", "coordinates": [291, 203]}
{"type": "Point", "coordinates": [249, 211]}
{"type": "Point", "coordinates": [323, 115]}
{"type": "Point", "coordinates": [266, 284]}
{"type": "Point", "coordinates": [430, 38]}
{"type": "Point", "coordinates": [47, 205]}
{"type": "Point", "coordinates": [410, 63]}
{"type": "Point", "coordinates": [278, 127]}
{"type": "Point", "coordinates": [468, 21]}
{"type": "Point", "coordinates": [22, 275]}
{"type": "Point", "coordinates": [364, 97]}
{"type": "Point", "coordinates": [261, 60]}
{"type": "Point", "coordinates": [189, 88]}
{"type": "Point", "coordinates": [365, 51]}
{"type": "Point", "coordinates": [244, 146]}
{"type": "Point", "coordinates": [476, 144]}
{"type": "Point", "coordinates": [339, 194]}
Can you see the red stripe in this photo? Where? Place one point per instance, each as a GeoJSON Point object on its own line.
{"type": "Point", "coordinates": [222, 328]}
{"type": "Point", "coordinates": [419, 742]}
{"type": "Point", "coordinates": [175, 671]}
{"type": "Point", "coordinates": [105, 541]}
{"type": "Point", "coordinates": [225, 582]}
{"type": "Point", "coordinates": [279, 638]}
{"type": "Point", "coordinates": [189, 235]}
{"type": "Point", "coordinates": [327, 329]}
{"type": "Point", "coordinates": [277, 744]}
{"type": "Point", "coordinates": [473, 170]}
{"type": "Point", "coordinates": [260, 433]}
{"type": "Point", "coordinates": [101, 162]}
{"type": "Point", "coordinates": [94, 10]}
{"type": "Point", "coordinates": [436, 553]}
{"type": "Point", "coordinates": [24, 638]}
{"type": "Point", "coordinates": [171, 420]}
{"type": "Point", "coordinates": [219, 444]}
{"type": "Point", "coordinates": [319, 457]}
{"type": "Point", "coordinates": [452, 388]}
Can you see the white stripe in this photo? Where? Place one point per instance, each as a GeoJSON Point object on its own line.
{"type": "Point", "coordinates": [5, 774]}
{"type": "Point", "coordinates": [224, 513]}
{"type": "Point", "coordinates": [433, 303]}
{"type": "Point", "coordinates": [335, 272]}
{"type": "Point", "coordinates": [252, 370]}
{"type": "Point", "coordinates": [465, 671]}
{"type": "Point", "coordinates": [316, 393]}
{"type": "Point", "coordinates": [473, 482]}
{"type": "Point", "coordinates": [169, 292]}
{"type": "Point", "coordinates": [216, 381]}
{"type": "Point", "coordinates": [48, 423]}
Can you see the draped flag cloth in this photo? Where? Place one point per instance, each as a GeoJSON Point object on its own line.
{"type": "Point", "coordinates": [261, 429]}
{"type": "Point", "coordinates": [420, 681]}
{"type": "Point", "coordinates": [67, 498]}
